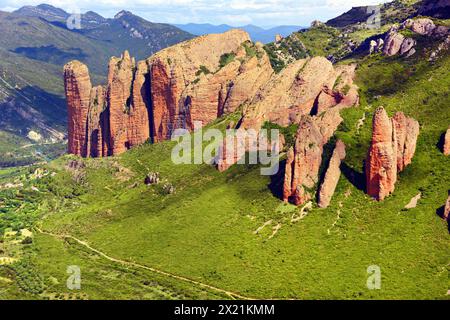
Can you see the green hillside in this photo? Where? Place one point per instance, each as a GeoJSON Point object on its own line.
{"type": "Point", "coordinates": [143, 242]}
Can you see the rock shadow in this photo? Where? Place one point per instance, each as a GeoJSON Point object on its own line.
{"type": "Point", "coordinates": [440, 213]}
{"type": "Point", "coordinates": [356, 178]}
{"type": "Point", "coordinates": [441, 142]}
{"type": "Point", "coordinates": [277, 181]}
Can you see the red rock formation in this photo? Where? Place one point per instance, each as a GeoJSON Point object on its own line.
{"type": "Point", "coordinates": [332, 175]}
{"type": "Point", "coordinates": [302, 170]}
{"type": "Point", "coordinates": [139, 119]}
{"type": "Point", "coordinates": [190, 84]}
{"type": "Point", "coordinates": [381, 163]}
{"type": "Point", "coordinates": [164, 95]}
{"type": "Point", "coordinates": [95, 132]}
{"type": "Point", "coordinates": [393, 42]}
{"type": "Point", "coordinates": [392, 148]}
{"type": "Point", "coordinates": [120, 82]}
{"type": "Point", "coordinates": [422, 26]}
{"type": "Point", "coordinates": [447, 209]}
{"type": "Point", "coordinates": [172, 89]}
{"type": "Point", "coordinates": [287, 187]}
{"type": "Point", "coordinates": [78, 92]}
{"type": "Point", "coordinates": [309, 86]}
{"type": "Point", "coordinates": [407, 132]}
{"type": "Point", "coordinates": [117, 116]}
{"type": "Point", "coordinates": [447, 143]}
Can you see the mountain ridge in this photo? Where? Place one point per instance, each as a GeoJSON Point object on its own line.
{"type": "Point", "coordinates": [264, 35]}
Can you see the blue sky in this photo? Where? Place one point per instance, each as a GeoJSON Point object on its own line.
{"type": "Point", "coordinates": [233, 12]}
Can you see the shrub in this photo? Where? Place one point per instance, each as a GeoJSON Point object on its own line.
{"type": "Point", "coordinates": [226, 59]}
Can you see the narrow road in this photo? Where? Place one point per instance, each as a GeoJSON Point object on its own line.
{"type": "Point", "coordinates": [231, 294]}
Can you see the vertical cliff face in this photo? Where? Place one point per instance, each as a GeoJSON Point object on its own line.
{"type": "Point", "coordinates": [446, 147]}
{"type": "Point", "coordinates": [198, 80]}
{"type": "Point", "coordinates": [204, 78]}
{"type": "Point", "coordinates": [392, 148]}
{"type": "Point", "coordinates": [120, 85]}
{"type": "Point", "coordinates": [381, 164]}
{"type": "Point", "coordinates": [332, 175]}
{"type": "Point", "coordinates": [97, 105]}
{"type": "Point", "coordinates": [407, 131]}
{"type": "Point", "coordinates": [140, 111]}
{"type": "Point", "coordinates": [113, 118]}
{"type": "Point", "coordinates": [446, 215]}
{"type": "Point", "coordinates": [309, 86]}
{"type": "Point", "coordinates": [304, 160]}
{"type": "Point", "coordinates": [78, 92]}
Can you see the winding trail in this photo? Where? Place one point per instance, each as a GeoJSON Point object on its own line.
{"type": "Point", "coordinates": [231, 294]}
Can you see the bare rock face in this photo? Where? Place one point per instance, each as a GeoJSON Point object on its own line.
{"type": "Point", "coordinates": [287, 186]}
{"type": "Point", "coordinates": [332, 175]}
{"type": "Point", "coordinates": [407, 45]}
{"type": "Point", "coordinates": [95, 123]}
{"type": "Point", "coordinates": [198, 80]}
{"type": "Point", "coordinates": [447, 143]}
{"type": "Point", "coordinates": [306, 87]}
{"type": "Point", "coordinates": [447, 209]}
{"type": "Point", "coordinates": [393, 42]}
{"type": "Point", "coordinates": [204, 78]}
{"type": "Point", "coordinates": [422, 26]}
{"type": "Point", "coordinates": [309, 86]}
{"type": "Point", "coordinates": [304, 161]}
{"type": "Point", "coordinates": [392, 149]}
{"type": "Point", "coordinates": [381, 163]}
{"type": "Point", "coordinates": [117, 115]}
{"type": "Point", "coordinates": [139, 117]}
{"type": "Point", "coordinates": [120, 80]}
{"type": "Point", "coordinates": [78, 92]}
{"type": "Point", "coordinates": [407, 132]}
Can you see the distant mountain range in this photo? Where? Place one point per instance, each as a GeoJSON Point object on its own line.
{"type": "Point", "coordinates": [35, 43]}
{"type": "Point", "coordinates": [256, 33]}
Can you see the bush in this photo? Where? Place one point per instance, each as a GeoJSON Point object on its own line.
{"type": "Point", "coordinates": [203, 70]}
{"type": "Point", "coordinates": [226, 59]}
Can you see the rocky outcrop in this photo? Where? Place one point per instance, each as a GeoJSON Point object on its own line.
{"type": "Point", "coordinates": [204, 78]}
{"type": "Point", "coordinates": [407, 45]}
{"type": "Point", "coordinates": [304, 160]}
{"type": "Point", "coordinates": [198, 80]}
{"type": "Point", "coordinates": [447, 209]}
{"type": "Point", "coordinates": [308, 86]}
{"type": "Point", "coordinates": [422, 26]}
{"type": "Point", "coordinates": [95, 124]}
{"type": "Point", "coordinates": [392, 148]}
{"type": "Point", "coordinates": [446, 147]}
{"type": "Point", "coordinates": [114, 118]}
{"type": "Point", "coordinates": [393, 42]}
{"type": "Point", "coordinates": [332, 175]}
{"type": "Point", "coordinates": [407, 131]}
{"type": "Point", "coordinates": [397, 43]}
{"type": "Point", "coordinates": [381, 163]}
{"type": "Point", "coordinates": [78, 92]}
{"type": "Point", "coordinates": [120, 82]}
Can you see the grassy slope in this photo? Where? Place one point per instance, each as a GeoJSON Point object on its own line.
{"type": "Point", "coordinates": [205, 230]}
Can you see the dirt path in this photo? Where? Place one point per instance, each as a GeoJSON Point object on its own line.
{"type": "Point", "coordinates": [231, 294]}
